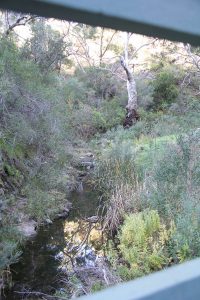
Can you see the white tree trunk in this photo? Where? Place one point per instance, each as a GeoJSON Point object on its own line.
{"type": "Point", "coordinates": [131, 87]}
{"type": "Point", "coordinates": [132, 115]}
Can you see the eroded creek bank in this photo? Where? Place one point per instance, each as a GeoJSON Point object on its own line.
{"type": "Point", "coordinates": [65, 257]}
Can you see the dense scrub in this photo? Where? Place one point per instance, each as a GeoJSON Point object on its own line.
{"type": "Point", "coordinates": [162, 183]}
{"type": "Point", "coordinates": [46, 117]}
{"type": "Point", "coordinates": [152, 171]}
{"type": "Point", "coordinates": [33, 151]}
{"type": "Point", "coordinates": [53, 109]}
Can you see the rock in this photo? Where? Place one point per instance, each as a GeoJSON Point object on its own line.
{"type": "Point", "coordinates": [90, 263]}
{"type": "Point", "coordinates": [93, 219]}
{"type": "Point", "coordinates": [87, 161]}
{"type": "Point", "coordinates": [48, 221]}
{"type": "Point", "coordinates": [51, 247]}
{"type": "Point", "coordinates": [89, 154]}
{"type": "Point", "coordinates": [28, 228]}
{"type": "Point", "coordinates": [59, 256]}
{"type": "Point", "coordinates": [62, 215]}
{"type": "Point", "coordinates": [91, 256]}
{"type": "Point", "coordinates": [88, 164]}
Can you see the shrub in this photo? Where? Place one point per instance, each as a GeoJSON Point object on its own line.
{"type": "Point", "coordinates": [113, 113]}
{"type": "Point", "coordinates": [144, 91]}
{"type": "Point", "coordinates": [10, 239]}
{"type": "Point", "coordinates": [119, 135]}
{"type": "Point", "coordinates": [116, 165]}
{"type": "Point", "coordinates": [165, 90]}
{"type": "Point", "coordinates": [42, 204]}
{"type": "Point", "coordinates": [86, 121]}
{"type": "Point", "coordinates": [46, 47]}
{"type": "Point", "coordinates": [97, 286]}
{"type": "Point", "coordinates": [142, 243]}
{"type": "Point", "coordinates": [173, 189]}
{"type": "Point", "coordinates": [104, 85]}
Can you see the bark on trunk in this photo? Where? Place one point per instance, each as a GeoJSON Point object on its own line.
{"type": "Point", "coordinates": [131, 108]}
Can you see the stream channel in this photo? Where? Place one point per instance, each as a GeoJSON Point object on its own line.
{"type": "Point", "coordinates": [49, 259]}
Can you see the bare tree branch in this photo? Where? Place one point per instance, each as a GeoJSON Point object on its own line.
{"type": "Point", "coordinates": [194, 57]}
{"type": "Point", "coordinates": [21, 21]}
{"type": "Point", "coordinates": [103, 52]}
{"type": "Point", "coordinates": [144, 45]}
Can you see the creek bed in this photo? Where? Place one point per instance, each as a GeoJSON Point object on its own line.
{"type": "Point", "coordinates": [56, 248]}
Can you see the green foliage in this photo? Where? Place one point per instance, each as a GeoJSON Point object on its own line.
{"type": "Point", "coordinates": [165, 90]}
{"type": "Point", "coordinates": [173, 189]}
{"type": "Point", "coordinates": [43, 204]}
{"type": "Point", "coordinates": [97, 286]}
{"type": "Point", "coordinates": [94, 102]}
{"type": "Point", "coordinates": [104, 85]}
{"type": "Point", "coordinates": [46, 47]}
{"type": "Point", "coordinates": [174, 168]}
{"type": "Point", "coordinates": [75, 92]}
{"type": "Point", "coordinates": [9, 254]}
{"type": "Point", "coordinates": [62, 294]}
{"type": "Point", "coordinates": [144, 92]}
{"type": "Point", "coordinates": [164, 177]}
{"type": "Point", "coordinates": [127, 273]}
{"type": "Point", "coordinates": [142, 242]}
{"type": "Point", "coordinates": [35, 124]}
{"type": "Point", "coordinates": [145, 172]}
{"type": "Point", "coordinates": [149, 151]}
{"type": "Point", "coordinates": [115, 165]}
{"type": "Point", "coordinates": [86, 121]}
{"type": "Point", "coordinates": [10, 239]}
{"type": "Point", "coordinates": [113, 113]}
{"type": "Point", "coordinates": [34, 139]}
{"type": "Point", "coordinates": [86, 31]}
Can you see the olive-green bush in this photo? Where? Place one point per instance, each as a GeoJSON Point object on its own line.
{"type": "Point", "coordinates": [165, 90]}
{"type": "Point", "coordinates": [143, 244]}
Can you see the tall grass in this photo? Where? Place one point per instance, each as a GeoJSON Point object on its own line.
{"type": "Point", "coordinates": [116, 165]}
{"type": "Point", "coordinates": [124, 198]}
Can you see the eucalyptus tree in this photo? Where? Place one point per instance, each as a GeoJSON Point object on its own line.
{"type": "Point", "coordinates": [131, 108]}
{"type": "Point", "coordinates": [132, 115]}
{"type": "Point", "coordinates": [46, 47]}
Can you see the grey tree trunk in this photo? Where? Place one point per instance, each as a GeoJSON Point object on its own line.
{"type": "Point", "coordinates": [131, 108]}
